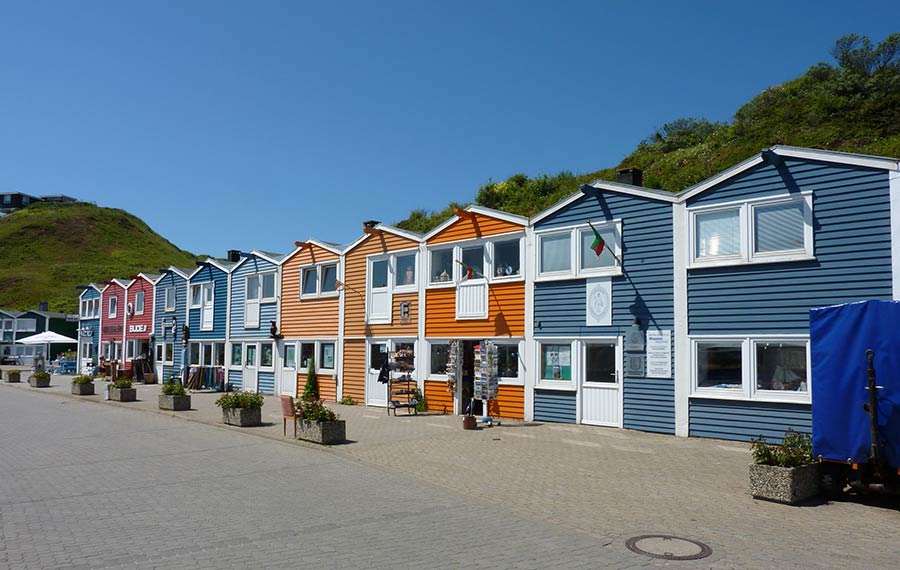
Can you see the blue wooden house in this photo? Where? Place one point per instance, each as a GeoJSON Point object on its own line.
{"type": "Point", "coordinates": [252, 312]}
{"type": "Point", "coordinates": [602, 324]}
{"type": "Point", "coordinates": [207, 318]}
{"type": "Point", "coordinates": [170, 314]}
{"type": "Point", "coordinates": [89, 326]}
{"type": "Point", "coordinates": [760, 244]}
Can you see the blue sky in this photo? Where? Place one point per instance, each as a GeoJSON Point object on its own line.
{"type": "Point", "coordinates": [248, 125]}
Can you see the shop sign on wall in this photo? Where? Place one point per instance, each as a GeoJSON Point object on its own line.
{"type": "Point", "coordinates": [659, 354]}
{"type": "Point", "coordinates": [137, 328]}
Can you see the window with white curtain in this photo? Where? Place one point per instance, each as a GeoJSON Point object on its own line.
{"type": "Point", "coordinates": [556, 253]}
{"type": "Point", "coordinates": [778, 228]}
{"type": "Point", "coordinates": [718, 234]}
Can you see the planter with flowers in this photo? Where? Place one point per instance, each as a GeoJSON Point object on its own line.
{"type": "Point", "coordinates": [39, 380]}
{"type": "Point", "coordinates": [784, 473]}
{"type": "Point", "coordinates": [83, 386]}
{"type": "Point", "coordinates": [121, 391]}
{"type": "Point", "coordinates": [13, 376]}
{"type": "Point", "coordinates": [319, 424]}
{"type": "Point", "coordinates": [174, 398]}
{"type": "Point", "coordinates": [242, 409]}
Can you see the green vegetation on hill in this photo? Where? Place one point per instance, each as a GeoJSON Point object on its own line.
{"type": "Point", "coordinates": [49, 248]}
{"type": "Point", "coordinates": [851, 107]}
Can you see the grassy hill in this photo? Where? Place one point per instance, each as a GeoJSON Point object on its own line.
{"type": "Point", "coordinates": [49, 248]}
{"type": "Point", "coordinates": [853, 106]}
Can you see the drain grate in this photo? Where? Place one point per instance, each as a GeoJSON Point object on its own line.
{"type": "Point", "coordinates": [668, 547]}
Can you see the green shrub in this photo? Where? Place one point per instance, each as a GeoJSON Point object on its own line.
{"type": "Point", "coordinates": [421, 403]}
{"type": "Point", "coordinates": [173, 389]}
{"type": "Point", "coordinates": [14, 371]}
{"type": "Point", "coordinates": [122, 383]}
{"type": "Point", "coordinates": [41, 375]}
{"type": "Point", "coordinates": [311, 390]}
{"type": "Point", "coordinates": [795, 450]}
{"type": "Point", "coordinates": [81, 379]}
{"type": "Point", "coordinates": [348, 401]}
{"type": "Point", "coordinates": [234, 400]}
{"type": "Point", "coordinates": [315, 411]}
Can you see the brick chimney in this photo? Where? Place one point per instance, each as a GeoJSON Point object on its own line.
{"type": "Point", "coordinates": [632, 176]}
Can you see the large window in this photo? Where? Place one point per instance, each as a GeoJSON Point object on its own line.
{"type": "Point", "coordinates": [441, 266]}
{"type": "Point", "coordinates": [440, 354]}
{"type": "Point", "coordinates": [759, 231]}
{"type": "Point", "coordinates": [473, 257]}
{"type": "Point", "coordinates": [491, 259]}
{"type": "Point", "coordinates": [556, 362]}
{"type": "Point", "coordinates": [752, 368]}
{"type": "Point", "coordinates": [318, 280]}
{"type": "Point", "coordinates": [406, 269]}
{"type": "Point", "coordinates": [508, 361]}
{"type": "Point", "coordinates": [507, 258]}
{"type": "Point", "coordinates": [564, 254]}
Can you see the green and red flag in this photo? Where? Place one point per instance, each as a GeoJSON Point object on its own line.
{"type": "Point", "coordinates": [599, 243]}
{"type": "Point", "coordinates": [470, 271]}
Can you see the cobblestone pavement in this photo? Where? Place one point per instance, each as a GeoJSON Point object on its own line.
{"type": "Point", "coordinates": [408, 492]}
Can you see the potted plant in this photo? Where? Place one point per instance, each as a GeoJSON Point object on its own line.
{"type": "Point", "coordinates": [13, 376]}
{"type": "Point", "coordinates": [174, 397]}
{"type": "Point", "coordinates": [784, 473]}
{"type": "Point", "coordinates": [39, 380]}
{"type": "Point", "coordinates": [83, 385]}
{"type": "Point", "coordinates": [121, 391]}
{"type": "Point", "coordinates": [319, 424]}
{"type": "Point", "coordinates": [311, 389]}
{"type": "Point", "coordinates": [242, 409]}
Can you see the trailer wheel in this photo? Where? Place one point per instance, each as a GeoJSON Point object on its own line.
{"type": "Point", "coordinates": [832, 483]}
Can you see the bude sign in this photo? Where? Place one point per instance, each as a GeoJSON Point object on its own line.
{"type": "Point", "coordinates": [85, 331]}
{"type": "Point", "coordinates": [137, 328]}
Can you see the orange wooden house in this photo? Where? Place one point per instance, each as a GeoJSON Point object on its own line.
{"type": "Point", "coordinates": [381, 299]}
{"type": "Point", "coordinates": [310, 317]}
{"type": "Point", "coordinates": [475, 291]}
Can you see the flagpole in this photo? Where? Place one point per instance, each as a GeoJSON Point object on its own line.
{"type": "Point", "coordinates": [609, 249]}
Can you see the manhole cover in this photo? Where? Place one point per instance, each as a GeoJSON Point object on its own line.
{"type": "Point", "coordinates": [668, 547]}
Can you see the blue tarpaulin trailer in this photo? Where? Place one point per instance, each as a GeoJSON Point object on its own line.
{"type": "Point", "coordinates": [841, 337]}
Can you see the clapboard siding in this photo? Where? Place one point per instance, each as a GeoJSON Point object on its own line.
{"type": "Point", "coordinates": [235, 379]}
{"type": "Point", "coordinates": [554, 406]}
{"type": "Point", "coordinates": [473, 226]}
{"type": "Point", "coordinates": [649, 405]}
{"type": "Point", "coordinates": [506, 313]}
{"type": "Point", "coordinates": [327, 386]}
{"type": "Point", "coordinates": [266, 382]}
{"type": "Point", "coordinates": [510, 402]}
{"type": "Point", "coordinates": [438, 398]}
{"type": "Point", "coordinates": [92, 324]}
{"type": "Point", "coordinates": [308, 317]}
{"type": "Point", "coordinates": [268, 312]}
{"type": "Point", "coordinates": [220, 304]}
{"type": "Point", "coordinates": [355, 291]}
{"type": "Point", "coordinates": [354, 372]}
{"type": "Point", "coordinates": [644, 291]}
{"type": "Point", "coordinates": [744, 421]}
{"type": "Point", "coordinates": [111, 329]}
{"type": "Point", "coordinates": [851, 221]}
{"type": "Point", "coordinates": [166, 334]}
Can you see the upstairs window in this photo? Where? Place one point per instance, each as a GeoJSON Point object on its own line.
{"type": "Point", "coordinates": [310, 280]}
{"type": "Point", "coordinates": [507, 258]}
{"type": "Point", "coordinates": [441, 266]}
{"type": "Point", "coordinates": [113, 307]}
{"type": "Point", "coordinates": [268, 287]}
{"type": "Point", "coordinates": [195, 296]}
{"type": "Point", "coordinates": [318, 280]}
{"type": "Point", "coordinates": [169, 299]}
{"type": "Point", "coordinates": [760, 231]}
{"type": "Point", "coordinates": [571, 253]}
{"type": "Point", "coordinates": [139, 303]}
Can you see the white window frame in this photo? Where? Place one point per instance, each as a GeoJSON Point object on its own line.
{"type": "Point", "coordinates": [394, 271]}
{"type": "Point", "coordinates": [320, 360]}
{"type": "Point", "coordinates": [169, 297]}
{"type": "Point", "coordinates": [199, 289]}
{"type": "Point", "coordinates": [266, 367]}
{"type": "Point", "coordinates": [564, 385]}
{"type": "Point", "coordinates": [747, 232]}
{"type": "Point", "coordinates": [168, 353]}
{"type": "Point", "coordinates": [748, 390]}
{"type": "Point", "coordinates": [248, 324]}
{"type": "Point", "coordinates": [112, 307]}
{"type": "Point", "coordinates": [139, 306]}
{"type": "Point", "coordinates": [575, 271]}
{"type": "Point", "coordinates": [427, 357]}
{"type": "Point", "coordinates": [319, 267]}
{"type": "Point", "coordinates": [518, 380]}
{"type": "Point", "coordinates": [617, 343]}
{"type": "Point", "coordinates": [387, 289]}
{"type": "Point", "coordinates": [211, 286]}
{"type": "Point", "coordinates": [456, 276]}
{"type": "Point", "coordinates": [262, 289]}
{"type": "Point", "coordinates": [317, 353]}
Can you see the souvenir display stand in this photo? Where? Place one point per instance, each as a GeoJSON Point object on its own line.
{"type": "Point", "coordinates": [401, 385]}
{"type": "Point", "coordinates": [485, 379]}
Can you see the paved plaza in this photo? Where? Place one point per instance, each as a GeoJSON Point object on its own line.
{"type": "Point", "coordinates": [90, 484]}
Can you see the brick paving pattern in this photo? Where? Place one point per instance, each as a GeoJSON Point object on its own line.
{"type": "Point", "coordinates": [88, 486]}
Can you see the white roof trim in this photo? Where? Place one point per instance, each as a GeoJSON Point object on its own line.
{"type": "Point", "coordinates": [475, 209]}
{"type": "Point", "coordinates": [325, 246]}
{"type": "Point", "coordinates": [355, 243]}
{"type": "Point", "coordinates": [651, 193]}
{"type": "Point", "coordinates": [123, 283]}
{"type": "Point", "coordinates": [150, 278]}
{"type": "Point", "coordinates": [85, 290]}
{"type": "Point", "coordinates": [402, 233]}
{"type": "Point", "coordinates": [212, 262]}
{"type": "Point", "coordinates": [833, 156]}
{"type": "Point", "coordinates": [265, 256]}
{"type": "Point", "coordinates": [174, 269]}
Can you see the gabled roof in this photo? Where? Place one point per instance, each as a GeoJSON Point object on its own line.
{"type": "Point", "coordinates": [151, 277]}
{"type": "Point", "coordinates": [51, 315]}
{"type": "Point", "coordinates": [274, 258]}
{"type": "Point", "coordinates": [848, 158]}
{"type": "Point", "coordinates": [475, 209]}
{"type": "Point", "coordinates": [185, 273]}
{"type": "Point", "coordinates": [603, 185]}
{"type": "Point", "coordinates": [123, 283]}
{"type": "Point", "coordinates": [226, 266]}
{"type": "Point", "coordinates": [93, 286]}
{"type": "Point", "coordinates": [334, 248]}
{"type": "Point", "coordinates": [406, 234]}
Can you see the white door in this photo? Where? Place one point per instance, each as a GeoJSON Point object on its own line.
{"type": "Point", "coordinates": [376, 392]}
{"type": "Point", "coordinates": [207, 306]}
{"type": "Point", "coordinates": [601, 390]}
{"type": "Point", "coordinates": [251, 307]}
{"type": "Point", "coordinates": [289, 369]}
{"type": "Point", "coordinates": [251, 364]}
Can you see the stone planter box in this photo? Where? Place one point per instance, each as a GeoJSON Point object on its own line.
{"type": "Point", "coordinates": [326, 433]}
{"type": "Point", "coordinates": [242, 417]}
{"type": "Point", "coordinates": [123, 394]}
{"type": "Point", "coordinates": [83, 389]}
{"type": "Point", "coordinates": [785, 484]}
{"type": "Point", "coordinates": [13, 377]}
{"type": "Point", "coordinates": [174, 403]}
{"type": "Point", "coordinates": [36, 382]}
